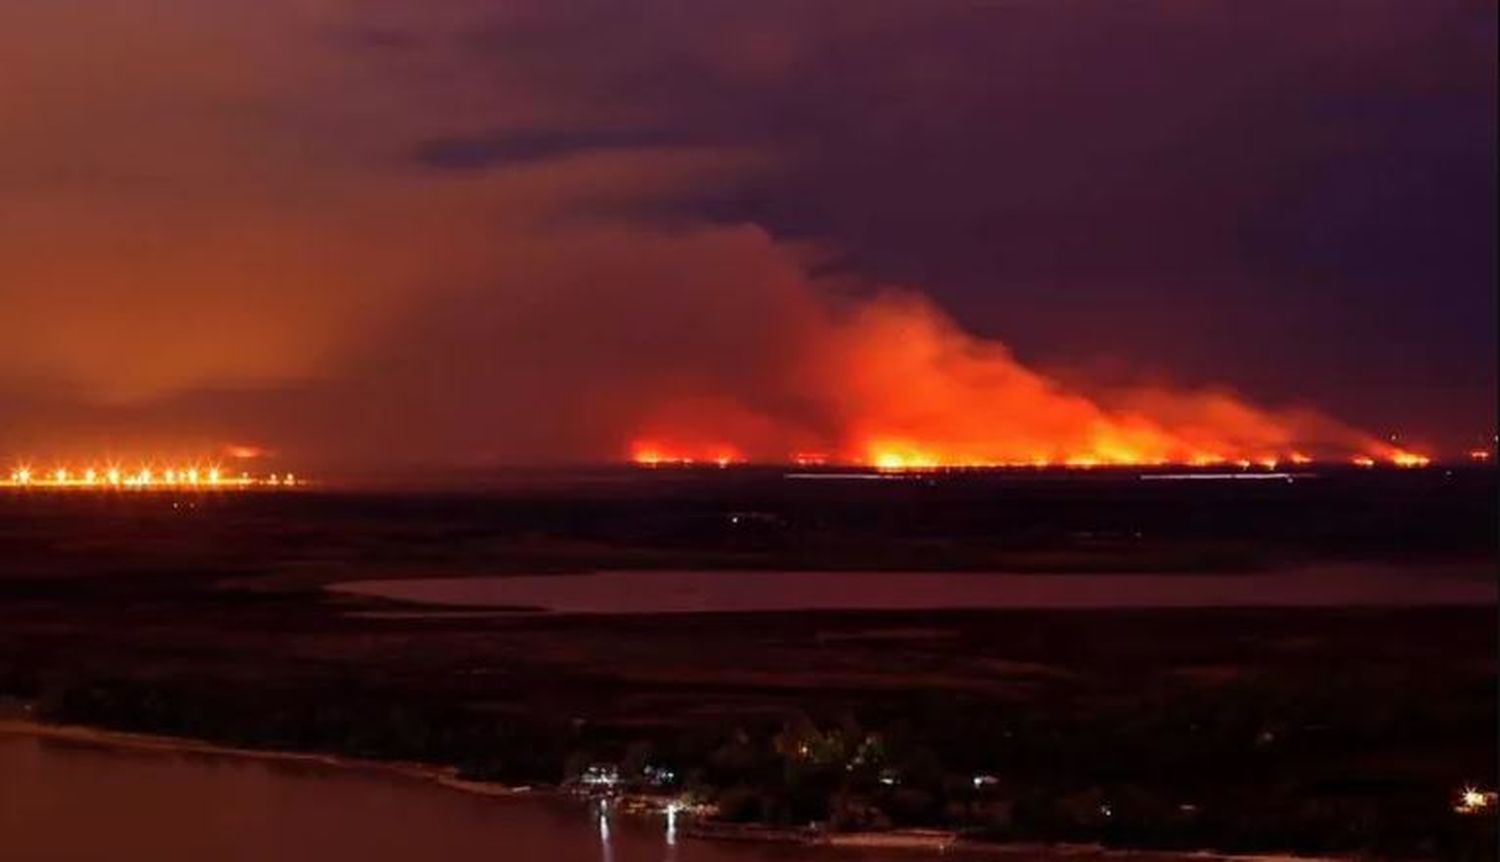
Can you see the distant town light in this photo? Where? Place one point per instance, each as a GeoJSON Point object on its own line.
{"type": "Point", "coordinates": [105, 476]}
{"type": "Point", "coordinates": [600, 775]}
{"type": "Point", "coordinates": [1472, 800]}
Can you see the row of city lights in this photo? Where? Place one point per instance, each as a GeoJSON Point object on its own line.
{"type": "Point", "coordinates": [171, 478]}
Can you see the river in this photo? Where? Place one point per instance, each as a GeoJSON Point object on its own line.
{"type": "Point", "coordinates": [78, 796]}
{"type": "Point", "coordinates": [654, 592]}
{"type": "Point", "coordinates": [64, 800]}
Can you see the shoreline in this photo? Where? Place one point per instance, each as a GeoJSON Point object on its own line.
{"type": "Point", "coordinates": [694, 591]}
{"type": "Point", "coordinates": [443, 776]}
{"type": "Point", "coordinates": [920, 842]}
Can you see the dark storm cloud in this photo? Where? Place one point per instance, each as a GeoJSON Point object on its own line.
{"type": "Point", "coordinates": [1127, 182]}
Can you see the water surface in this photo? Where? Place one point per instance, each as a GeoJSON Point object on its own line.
{"type": "Point", "coordinates": [640, 592]}
{"type": "Point", "coordinates": [65, 801]}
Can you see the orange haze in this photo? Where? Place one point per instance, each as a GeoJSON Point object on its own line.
{"type": "Point", "coordinates": [898, 385]}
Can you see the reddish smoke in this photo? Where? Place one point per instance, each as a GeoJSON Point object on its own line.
{"type": "Point", "coordinates": [895, 383]}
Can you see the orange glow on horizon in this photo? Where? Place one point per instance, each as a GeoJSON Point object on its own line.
{"type": "Point", "coordinates": [892, 383]}
{"type": "Point", "coordinates": [892, 455]}
{"type": "Point", "coordinates": [905, 457]}
{"type": "Point", "coordinates": [884, 455]}
{"type": "Point", "coordinates": [648, 454]}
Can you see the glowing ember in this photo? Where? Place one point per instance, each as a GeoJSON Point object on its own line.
{"type": "Point", "coordinates": [177, 477]}
{"type": "Point", "coordinates": [900, 456]}
{"type": "Point", "coordinates": [654, 455]}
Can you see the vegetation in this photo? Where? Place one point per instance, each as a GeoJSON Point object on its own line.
{"type": "Point", "coordinates": [1241, 729]}
{"type": "Point", "coordinates": [1250, 769]}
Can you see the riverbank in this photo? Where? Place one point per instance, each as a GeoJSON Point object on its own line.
{"type": "Point", "coordinates": [919, 842]}
{"type": "Point", "coordinates": [917, 705]}
{"type": "Point", "coordinates": [83, 735]}
{"type": "Point", "coordinates": [644, 592]}
{"type": "Point", "coordinates": [1321, 731]}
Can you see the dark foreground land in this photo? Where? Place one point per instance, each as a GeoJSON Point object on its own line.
{"type": "Point", "coordinates": [1318, 730]}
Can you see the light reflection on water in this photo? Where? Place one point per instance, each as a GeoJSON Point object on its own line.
{"type": "Point", "coordinates": [606, 847]}
{"type": "Point", "coordinates": [64, 801]}
{"type": "Point", "coordinates": [70, 802]}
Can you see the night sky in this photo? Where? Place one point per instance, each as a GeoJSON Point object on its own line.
{"type": "Point", "coordinates": [492, 232]}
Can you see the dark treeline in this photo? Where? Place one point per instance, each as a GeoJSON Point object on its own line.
{"type": "Point", "coordinates": [1047, 521]}
{"type": "Point", "coordinates": [1269, 729]}
{"type": "Point", "coordinates": [1254, 768]}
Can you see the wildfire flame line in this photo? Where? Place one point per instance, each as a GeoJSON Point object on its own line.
{"type": "Point", "coordinates": [906, 457]}
{"type": "Point", "coordinates": [891, 382]}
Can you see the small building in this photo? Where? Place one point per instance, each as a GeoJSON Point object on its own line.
{"type": "Point", "coordinates": [1472, 800]}
{"type": "Point", "coordinates": [657, 775]}
{"type": "Point", "coordinates": [600, 775]}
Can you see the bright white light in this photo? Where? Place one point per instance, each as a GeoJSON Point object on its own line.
{"type": "Point", "coordinates": [170, 477]}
